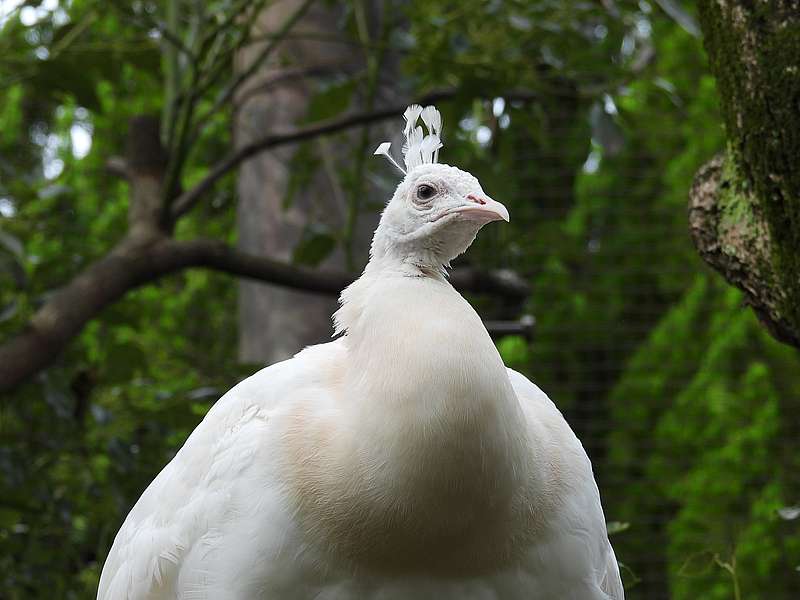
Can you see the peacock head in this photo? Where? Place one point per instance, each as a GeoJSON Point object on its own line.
{"type": "Point", "coordinates": [437, 210]}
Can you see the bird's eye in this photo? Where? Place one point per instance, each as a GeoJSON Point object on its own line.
{"type": "Point", "coordinates": [425, 192]}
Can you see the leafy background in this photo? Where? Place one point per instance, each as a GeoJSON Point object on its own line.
{"type": "Point", "coordinates": [688, 409]}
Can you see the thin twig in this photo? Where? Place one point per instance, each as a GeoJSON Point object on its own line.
{"type": "Point", "coordinates": [146, 20]}
{"type": "Point", "coordinates": [237, 81]}
{"type": "Point", "coordinates": [214, 32]}
{"type": "Point", "coordinates": [187, 200]}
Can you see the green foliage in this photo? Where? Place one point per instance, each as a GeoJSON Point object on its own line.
{"type": "Point", "coordinates": [632, 329]}
{"type": "Point", "coordinates": [701, 411]}
{"type": "Point", "coordinates": [80, 443]}
{"type": "Point", "coordinates": [713, 412]}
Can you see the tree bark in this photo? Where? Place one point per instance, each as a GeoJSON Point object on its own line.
{"type": "Point", "coordinates": [274, 323]}
{"type": "Point", "coordinates": [744, 207]}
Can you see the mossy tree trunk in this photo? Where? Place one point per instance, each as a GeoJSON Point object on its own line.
{"type": "Point", "coordinates": [745, 205]}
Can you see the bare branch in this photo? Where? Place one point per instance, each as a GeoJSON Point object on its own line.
{"type": "Point", "coordinates": [127, 266]}
{"type": "Point", "coordinates": [499, 282]}
{"type": "Point", "coordinates": [131, 264]}
{"type": "Point", "coordinates": [219, 256]}
{"type": "Point", "coordinates": [118, 166]}
{"type": "Point", "coordinates": [147, 20]}
{"type": "Point", "coordinates": [187, 200]}
{"type": "Point", "coordinates": [268, 48]}
{"type": "Point", "coordinates": [523, 327]}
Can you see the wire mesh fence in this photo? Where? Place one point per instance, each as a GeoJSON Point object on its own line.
{"type": "Point", "coordinates": [628, 343]}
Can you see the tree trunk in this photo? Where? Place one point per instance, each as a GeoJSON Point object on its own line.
{"type": "Point", "coordinates": [276, 323]}
{"type": "Point", "coordinates": [744, 205]}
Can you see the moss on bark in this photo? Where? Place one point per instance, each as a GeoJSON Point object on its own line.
{"type": "Point", "coordinates": [754, 50]}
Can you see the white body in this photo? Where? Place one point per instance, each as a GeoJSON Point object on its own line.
{"type": "Point", "coordinates": [401, 461]}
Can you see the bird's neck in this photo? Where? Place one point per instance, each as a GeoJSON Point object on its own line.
{"type": "Point", "coordinates": [431, 431]}
{"type": "Point", "coordinates": [418, 351]}
{"type": "Point", "coordinates": [393, 249]}
{"type": "Point", "coordinates": [389, 255]}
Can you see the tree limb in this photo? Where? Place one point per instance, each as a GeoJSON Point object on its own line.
{"type": "Point", "coordinates": [745, 207]}
{"type": "Point", "coordinates": [734, 238]}
{"type": "Point", "coordinates": [230, 89]}
{"type": "Point", "coordinates": [127, 266]}
{"type": "Point", "coordinates": [187, 200]}
{"type": "Point", "coordinates": [524, 327]}
{"type": "Point", "coordinates": [131, 264]}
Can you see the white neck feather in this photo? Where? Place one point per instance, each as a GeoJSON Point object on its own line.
{"type": "Point", "coordinates": [432, 434]}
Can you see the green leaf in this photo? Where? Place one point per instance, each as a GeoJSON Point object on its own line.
{"type": "Point", "coordinates": [330, 102]}
{"type": "Point", "coordinates": [122, 361]}
{"type": "Point", "coordinates": [302, 167]}
{"type": "Point", "coordinates": [313, 248]}
{"type": "Point", "coordinates": [614, 527]}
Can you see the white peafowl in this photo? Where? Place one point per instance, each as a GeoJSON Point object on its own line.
{"type": "Point", "coordinates": [401, 461]}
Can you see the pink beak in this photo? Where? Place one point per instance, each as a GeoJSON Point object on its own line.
{"type": "Point", "coordinates": [484, 209]}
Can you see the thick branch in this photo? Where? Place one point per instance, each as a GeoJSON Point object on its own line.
{"type": "Point", "coordinates": [734, 238]}
{"type": "Point", "coordinates": [746, 207]}
{"type": "Point", "coordinates": [219, 256]}
{"type": "Point", "coordinates": [504, 283]}
{"type": "Point", "coordinates": [523, 327]}
{"type": "Point", "coordinates": [131, 265]}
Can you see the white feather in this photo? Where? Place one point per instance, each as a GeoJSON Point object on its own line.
{"type": "Point", "coordinates": [432, 119]}
{"type": "Point", "coordinates": [411, 115]}
{"type": "Point", "coordinates": [383, 150]}
{"type": "Point", "coordinates": [411, 148]}
{"type": "Point", "coordinates": [428, 147]}
{"type": "Point", "coordinates": [418, 148]}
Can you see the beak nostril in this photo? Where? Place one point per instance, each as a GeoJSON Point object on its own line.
{"type": "Point", "coordinates": [476, 199]}
{"type": "Point", "coordinates": [482, 208]}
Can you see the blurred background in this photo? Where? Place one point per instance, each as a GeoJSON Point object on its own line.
{"type": "Point", "coordinates": [124, 124]}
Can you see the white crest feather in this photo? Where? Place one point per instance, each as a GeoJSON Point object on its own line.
{"type": "Point", "coordinates": [411, 154]}
{"type": "Point", "coordinates": [383, 150]}
{"type": "Point", "coordinates": [419, 148]}
{"type": "Point", "coordinates": [428, 147]}
{"type": "Point", "coordinates": [433, 121]}
{"type": "Point", "coordinates": [411, 115]}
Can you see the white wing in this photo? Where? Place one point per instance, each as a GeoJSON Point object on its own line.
{"type": "Point", "coordinates": [611, 583]}
{"type": "Point", "coordinates": [223, 470]}
{"type": "Point", "coordinates": [578, 547]}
